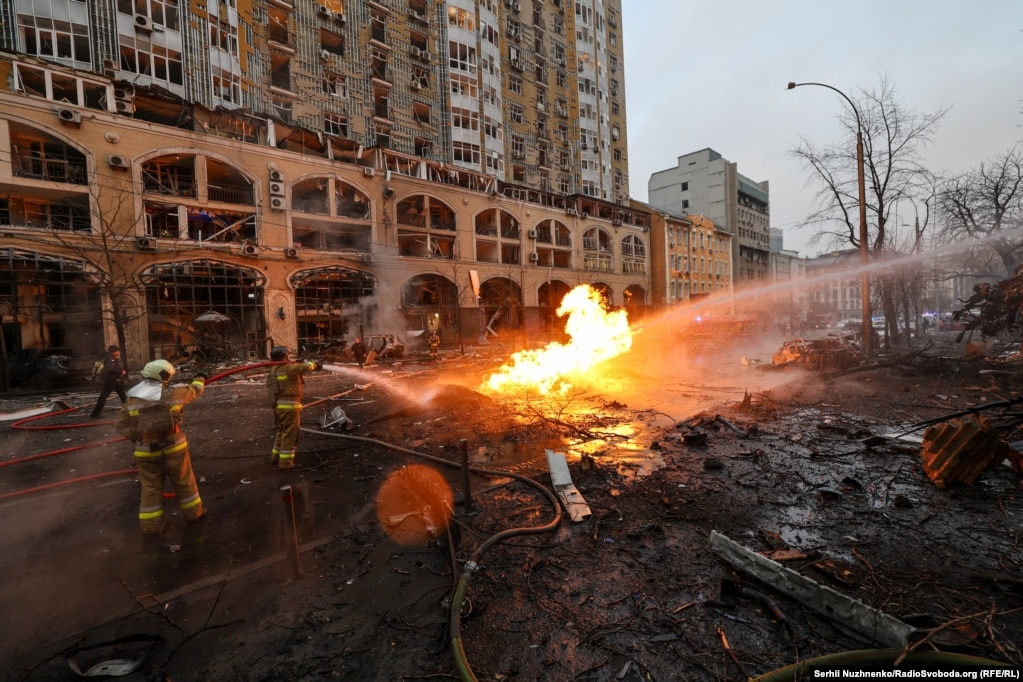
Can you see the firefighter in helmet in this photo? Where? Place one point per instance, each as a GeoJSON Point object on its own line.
{"type": "Point", "coordinates": [434, 340]}
{"type": "Point", "coordinates": [284, 386]}
{"type": "Point", "coordinates": [161, 448]}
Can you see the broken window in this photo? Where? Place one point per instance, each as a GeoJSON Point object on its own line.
{"type": "Point", "coordinates": [327, 300]}
{"type": "Point", "coordinates": [433, 223]}
{"type": "Point", "coordinates": [211, 309]}
{"type": "Point", "coordinates": [58, 295]}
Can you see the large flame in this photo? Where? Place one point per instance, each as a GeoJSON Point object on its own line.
{"type": "Point", "coordinates": [596, 336]}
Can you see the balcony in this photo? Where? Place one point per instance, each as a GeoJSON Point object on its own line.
{"type": "Point", "coordinates": [279, 35]}
{"type": "Point", "coordinates": [49, 167]}
{"type": "Point", "coordinates": [598, 263]}
{"type": "Point", "coordinates": [231, 194]}
{"type": "Point", "coordinates": [171, 185]}
{"type": "Point", "coordinates": [280, 80]}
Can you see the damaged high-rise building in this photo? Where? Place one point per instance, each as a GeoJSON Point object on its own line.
{"type": "Point", "coordinates": [186, 175]}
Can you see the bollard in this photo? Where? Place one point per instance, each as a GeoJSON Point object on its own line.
{"type": "Point", "coordinates": [463, 445]}
{"type": "Point", "coordinates": [291, 531]}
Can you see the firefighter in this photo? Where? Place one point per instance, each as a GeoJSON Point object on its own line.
{"type": "Point", "coordinates": [284, 386]}
{"type": "Point", "coordinates": [434, 344]}
{"type": "Point", "coordinates": [161, 448]}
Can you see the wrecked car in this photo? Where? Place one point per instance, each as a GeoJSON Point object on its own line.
{"type": "Point", "coordinates": [43, 368]}
{"type": "Point", "coordinates": [386, 346]}
{"type": "Point", "coordinates": [831, 352]}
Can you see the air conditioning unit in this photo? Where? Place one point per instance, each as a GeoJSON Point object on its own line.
{"type": "Point", "coordinates": [325, 55]}
{"type": "Point", "coordinates": [616, 222]}
{"type": "Point", "coordinates": [532, 234]}
{"type": "Point", "coordinates": [427, 56]}
{"type": "Point", "coordinates": [123, 93]}
{"type": "Point", "coordinates": [517, 7]}
{"type": "Point", "coordinates": [586, 215]}
{"type": "Point", "coordinates": [146, 243]}
{"type": "Point", "coordinates": [416, 85]}
{"type": "Point", "coordinates": [291, 252]}
{"type": "Point", "coordinates": [415, 52]}
{"type": "Point", "coordinates": [69, 116]}
{"type": "Point", "coordinates": [340, 17]}
{"type": "Point", "coordinates": [534, 257]}
{"type": "Point", "coordinates": [124, 107]}
{"type": "Point", "coordinates": [324, 12]}
{"type": "Point", "coordinates": [143, 23]}
{"type": "Point", "coordinates": [368, 172]}
{"type": "Point", "coordinates": [366, 258]}
{"type": "Point", "coordinates": [250, 249]}
{"type": "Point", "coordinates": [277, 203]}
{"type": "Point", "coordinates": [277, 189]}
{"type": "Point", "coordinates": [276, 175]}
{"type": "Point", "coordinates": [571, 211]}
{"type": "Point", "coordinates": [118, 161]}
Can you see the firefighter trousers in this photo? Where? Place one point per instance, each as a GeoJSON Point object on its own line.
{"type": "Point", "coordinates": [288, 420]}
{"type": "Point", "coordinates": [162, 461]}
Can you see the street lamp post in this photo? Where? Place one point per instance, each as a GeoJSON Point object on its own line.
{"type": "Point", "coordinates": [868, 327]}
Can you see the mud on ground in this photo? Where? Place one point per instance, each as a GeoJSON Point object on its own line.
{"type": "Point", "coordinates": [774, 462]}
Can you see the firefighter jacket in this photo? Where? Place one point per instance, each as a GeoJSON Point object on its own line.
{"type": "Point", "coordinates": [284, 382]}
{"type": "Point", "coordinates": [156, 425]}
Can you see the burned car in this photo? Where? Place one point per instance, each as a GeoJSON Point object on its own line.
{"type": "Point", "coordinates": [828, 353]}
{"type": "Point", "coordinates": [386, 346]}
{"type": "Point", "coordinates": [43, 368]}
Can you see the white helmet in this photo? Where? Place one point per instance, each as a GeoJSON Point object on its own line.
{"type": "Point", "coordinates": [158, 370]}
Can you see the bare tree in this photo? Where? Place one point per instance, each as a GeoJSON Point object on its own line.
{"type": "Point", "coordinates": [985, 206]}
{"type": "Point", "coordinates": [104, 235]}
{"type": "Point", "coordinates": [893, 138]}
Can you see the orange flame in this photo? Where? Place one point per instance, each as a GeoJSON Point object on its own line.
{"type": "Point", "coordinates": [596, 336]}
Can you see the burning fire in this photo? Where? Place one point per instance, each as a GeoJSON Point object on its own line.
{"type": "Point", "coordinates": [596, 336]}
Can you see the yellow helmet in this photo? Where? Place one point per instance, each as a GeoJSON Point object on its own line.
{"type": "Point", "coordinates": [159, 370]}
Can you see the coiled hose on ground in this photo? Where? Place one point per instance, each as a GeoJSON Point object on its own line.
{"type": "Point", "coordinates": [472, 565]}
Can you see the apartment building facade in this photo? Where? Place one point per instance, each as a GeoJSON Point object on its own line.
{"type": "Point", "coordinates": [250, 172]}
{"type": "Point", "coordinates": [704, 182]}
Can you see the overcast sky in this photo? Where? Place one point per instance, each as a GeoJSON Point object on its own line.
{"type": "Point", "coordinates": [712, 73]}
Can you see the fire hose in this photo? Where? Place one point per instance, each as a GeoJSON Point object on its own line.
{"type": "Point", "coordinates": [473, 564]}
{"type": "Point", "coordinates": [21, 425]}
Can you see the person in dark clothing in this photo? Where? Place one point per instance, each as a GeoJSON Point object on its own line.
{"type": "Point", "coordinates": [360, 352]}
{"type": "Point", "coordinates": [112, 375]}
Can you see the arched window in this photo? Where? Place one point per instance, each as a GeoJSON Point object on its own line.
{"type": "Point", "coordinates": [426, 227]}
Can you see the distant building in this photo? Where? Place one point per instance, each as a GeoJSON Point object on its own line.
{"type": "Point", "coordinates": [706, 183]}
{"type": "Point", "coordinates": [830, 293]}
{"type": "Point", "coordinates": [691, 258]}
{"type": "Point", "coordinates": [788, 283]}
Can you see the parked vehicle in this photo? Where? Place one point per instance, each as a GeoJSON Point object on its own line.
{"type": "Point", "coordinates": [43, 368]}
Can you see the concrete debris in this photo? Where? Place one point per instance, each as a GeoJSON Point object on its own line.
{"type": "Point", "coordinates": [870, 624]}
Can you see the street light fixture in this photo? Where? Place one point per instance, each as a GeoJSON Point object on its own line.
{"type": "Point", "coordinates": [868, 327]}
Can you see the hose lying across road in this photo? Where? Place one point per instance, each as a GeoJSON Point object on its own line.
{"type": "Point", "coordinates": [24, 425]}
{"type": "Point", "coordinates": [473, 564]}
{"type": "Point", "coordinates": [470, 566]}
